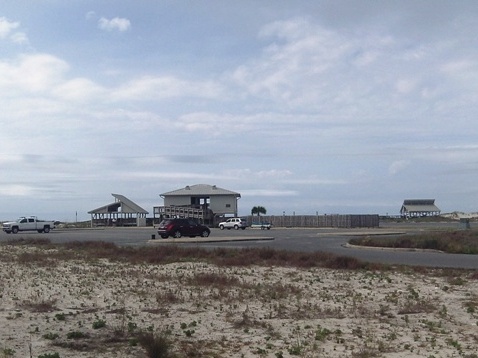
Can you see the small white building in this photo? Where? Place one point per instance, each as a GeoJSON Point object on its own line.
{"type": "Point", "coordinates": [419, 208]}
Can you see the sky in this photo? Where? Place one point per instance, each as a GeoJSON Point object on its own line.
{"type": "Point", "coordinates": [300, 106]}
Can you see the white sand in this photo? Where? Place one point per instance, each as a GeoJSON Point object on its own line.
{"type": "Point", "coordinates": [232, 312]}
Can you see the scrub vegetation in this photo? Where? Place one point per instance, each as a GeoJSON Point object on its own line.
{"type": "Point", "coordinates": [456, 242]}
{"type": "Point", "coordinates": [90, 299]}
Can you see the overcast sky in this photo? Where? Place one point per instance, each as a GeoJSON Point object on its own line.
{"type": "Point", "coordinates": [300, 106]}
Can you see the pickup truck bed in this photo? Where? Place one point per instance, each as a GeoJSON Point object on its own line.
{"type": "Point", "coordinates": [262, 226]}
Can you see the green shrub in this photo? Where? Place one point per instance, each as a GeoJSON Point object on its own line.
{"type": "Point", "coordinates": [156, 346]}
{"type": "Point", "coordinates": [132, 327]}
{"type": "Point", "coordinates": [50, 336]}
{"type": "Point", "coordinates": [99, 324]}
{"type": "Point", "coordinates": [8, 352]}
{"type": "Point", "coordinates": [321, 334]}
{"type": "Point", "coordinates": [49, 355]}
{"type": "Point", "coordinates": [295, 350]}
{"type": "Point", "coordinates": [60, 317]}
{"type": "Point", "coordinates": [189, 332]}
{"type": "Point", "coordinates": [76, 335]}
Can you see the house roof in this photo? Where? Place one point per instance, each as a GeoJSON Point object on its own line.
{"type": "Point", "coordinates": [200, 190]}
{"type": "Point", "coordinates": [419, 202]}
{"type": "Point", "coordinates": [419, 205]}
{"type": "Point", "coordinates": [127, 206]}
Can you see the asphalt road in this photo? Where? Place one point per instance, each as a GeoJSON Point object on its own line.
{"type": "Point", "coordinates": [294, 239]}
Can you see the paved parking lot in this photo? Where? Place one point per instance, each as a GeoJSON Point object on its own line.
{"type": "Point", "coordinates": [294, 239]}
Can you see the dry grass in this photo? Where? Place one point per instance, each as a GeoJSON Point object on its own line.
{"type": "Point", "coordinates": [166, 254]}
{"type": "Point", "coordinates": [458, 242]}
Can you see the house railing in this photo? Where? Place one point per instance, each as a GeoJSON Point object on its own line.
{"type": "Point", "coordinates": [160, 212]}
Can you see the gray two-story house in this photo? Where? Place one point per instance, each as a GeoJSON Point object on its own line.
{"type": "Point", "coordinates": [205, 202]}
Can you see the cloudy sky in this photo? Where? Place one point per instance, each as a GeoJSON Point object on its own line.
{"type": "Point", "coordinates": [300, 106]}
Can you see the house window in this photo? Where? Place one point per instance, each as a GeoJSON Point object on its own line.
{"type": "Point", "coordinates": [228, 205]}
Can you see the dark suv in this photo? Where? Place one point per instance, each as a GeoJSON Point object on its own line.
{"type": "Point", "coordinates": [182, 227]}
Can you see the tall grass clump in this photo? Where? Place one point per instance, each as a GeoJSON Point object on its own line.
{"type": "Point", "coordinates": [156, 346]}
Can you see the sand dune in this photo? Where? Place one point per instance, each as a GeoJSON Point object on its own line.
{"type": "Point", "coordinates": [95, 308]}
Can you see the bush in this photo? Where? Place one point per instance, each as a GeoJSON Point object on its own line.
{"type": "Point", "coordinates": [99, 324]}
{"type": "Point", "coordinates": [60, 317]}
{"type": "Point", "coordinates": [156, 346]}
{"type": "Point", "coordinates": [50, 336]}
{"type": "Point", "coordinates": [49, 355]}
{"type": "Point", "coordinates": [76, 335]}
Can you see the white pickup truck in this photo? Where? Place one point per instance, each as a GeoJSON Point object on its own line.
{"type": "Point", "coordinates": [262, 225]}
{"type": "Point", "coordinates": [28, 224]}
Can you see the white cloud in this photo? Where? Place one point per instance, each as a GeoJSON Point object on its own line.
{"type": "Point", "coordinates": [214, 124]}
{"type": "Point", "coordinates": [117, 23]}
{"type": "Point", "coordinates": [458, 66]}
{"type": "Point", "coordinates": [158, 88]}
{"type": "Point", "coordinates": [293, 67]}
{"type": "Point", "coordinates": [16, 190]}
{"type": "Point", "coordinates": [19, 38]}
{"type": "Point", "coordinates": [90, 15]}
{"type": "Point", "coordinates": [406, 85]}
{"type": "Point", "coordinates": [274, 173]}
{"type": "Point", "coordinates": [290, 30]}
{"type": "Point", "coordinates": [398, 166]}
{"type": "Point", "coordinates": [352, 75]}
{"type": "Point", "coordinates": [7, 28]}
{"type": "Point", "coordinates": [318, 181]}
{"type": "Point", "coordinates": [79, 89]}
{"type": "Point", "coordinates": [257, 175]}
{"type": "Point", "coordinates": [32, 73]}
{"type": "Point", "coordinates": [170, 176]}
{"type": "Point", "coordinates": [269, 192]}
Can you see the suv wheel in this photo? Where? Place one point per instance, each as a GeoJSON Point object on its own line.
{"type": "Point", "coordinates": [205, 233]}
{"type": "Point", "coordinates": [221, 227]}
{"type": "Point", "coordinates": [177, 234]}
{"type": "Point", "coordinates": [236, 227]}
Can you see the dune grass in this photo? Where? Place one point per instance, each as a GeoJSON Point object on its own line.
{"type": "Point", "coordinates": [173, 301]}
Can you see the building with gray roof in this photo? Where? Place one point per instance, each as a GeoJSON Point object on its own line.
{"type": "Point", "coordinates": [419, 208]}
{"type": "Point", "coordinates": [201, 201]}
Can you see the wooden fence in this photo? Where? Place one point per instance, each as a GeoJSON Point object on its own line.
{"type": "Point", "coordinates": [339, 221]}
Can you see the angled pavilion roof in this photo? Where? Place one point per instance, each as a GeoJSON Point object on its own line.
{"type": "Point", "coordinates": [200, 189]}
{"type": "Point", "coordinates": [126, 205]}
